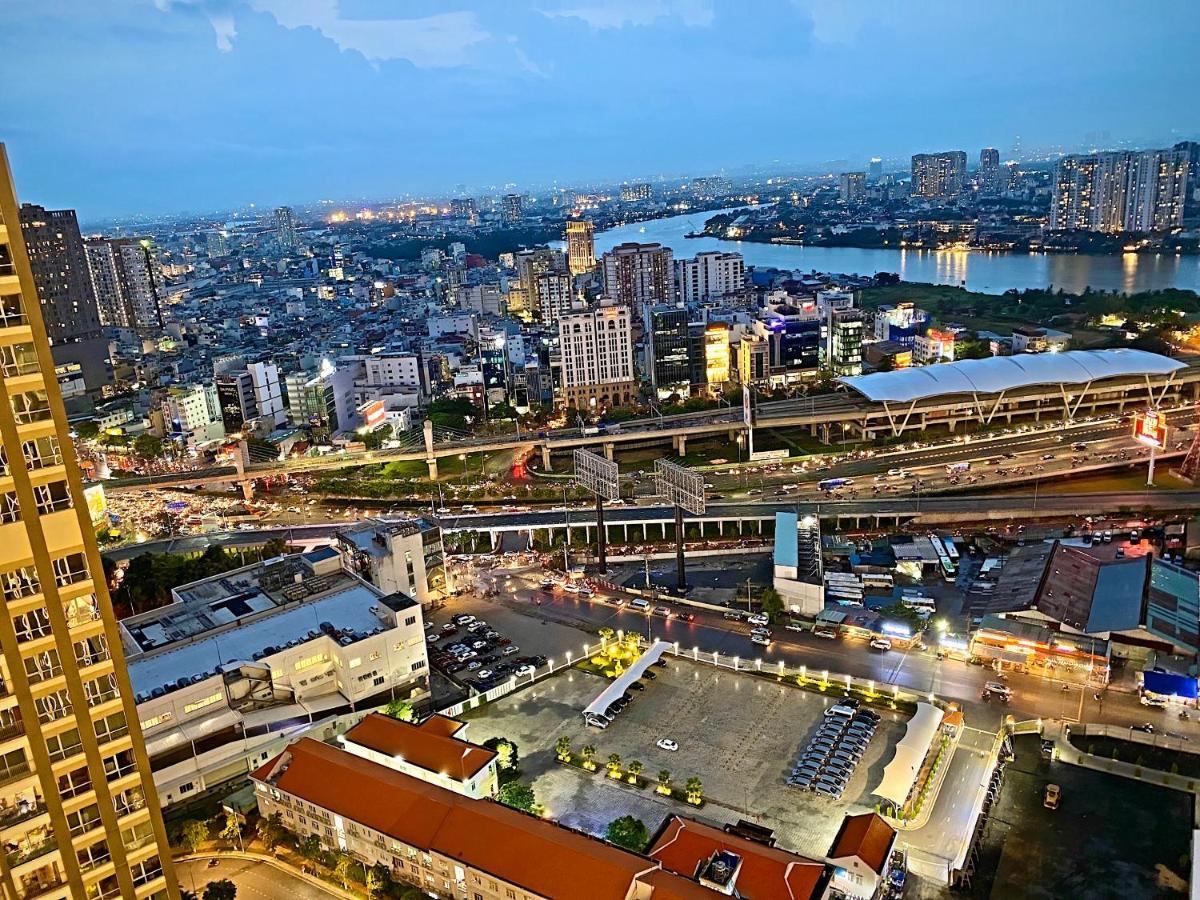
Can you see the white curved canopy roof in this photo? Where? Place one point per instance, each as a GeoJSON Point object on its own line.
{"type": "Point", "coordinates": [1004, 373]}
{"type": "Point", "coordinates": [901, 773]}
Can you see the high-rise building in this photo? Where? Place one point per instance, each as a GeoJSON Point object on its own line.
{"type": "Point", "coordinates": [633, 193]}
{"type": "Point", "coordinates": [989, 171]}
{"type": "Point", "coordinates": [852, 187]}
{"type": "Point", "coordinates": [464, 208]}
{"type": "Point", "coordinates": [597, 357]}
{"type": "Point", "coordinates": [285, 229]}
{"type": "Point", "coordinates": [512, 212]}
{"type": "Point", "coordinates": [81, 817]}
{"type": "Point", "coordinates": [125, 280]}
{"type": "Point", "coordinates": [939, 176]}
{"type": "Point", "coordinates": [531, 264]}
{"type": "Point", "coordinates": [581, 246]}
{"type": "Point", "coordinates": [552, 295]}
{"type": "Point", "coordinates": [875, 168]}
{"type": "Point", "coordinates": [64, 289]}
{"type": "Point", "coordinates": [215, 244]}
{"type": "Point", "coordinates": [710, 276]}
{"type": "Point", "coordinates": [268, 392]}
{"type": "Point", "coordinates": [1192, 199]}
{"type": "Point", "coordinates": [668, 355]}
{"type": "Point", "coordinates": [709, 188]}
{"type": "Point", "coordinates": [844, 347]}
{"type": "Point", "coordinates": [1143, 190]}
{"type": "Point", "coordinates": [639, 274]}
{"type": "Point", "coordinates": [235, 396]}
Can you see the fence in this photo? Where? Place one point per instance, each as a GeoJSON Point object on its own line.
{"type": "Point", "coordinates": [1116, 732]}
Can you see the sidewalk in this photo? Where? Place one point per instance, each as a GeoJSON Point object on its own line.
{"type": "Point", "coordinates": [281, 862]}
{"type": "Point", "coordinates": [1064, 750]}
{"type": "Point", "coordinates": [935, 788]}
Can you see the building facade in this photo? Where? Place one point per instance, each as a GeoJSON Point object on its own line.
{"type": "Point", "coordinates": [1145, 190]}
{"type": "Point", "coordinates": [989, 171]}
{"type": "Point", "coordinates": [285, 229]}
{"type": "Point", "coordinates": [581, 246]}
{"type": "Point", "coordinates": [125, 281]}
{"type": "Point", "coordinates": [639, 274]}
{"type": "Point", "coordinates": [78, 810]}
{"type": "Point", "coordinates": [852, 187]}
{"type": "Point", "coordinates": [939, 176]}
{"type": "Point", "coordinates": [710, 276]}
{"type": "Point", "coordinates": [597, 357]}
{"type": "Point", "coordinates": [406, 557]}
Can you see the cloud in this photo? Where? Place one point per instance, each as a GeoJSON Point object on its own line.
{"type": "Point", "coordinates": [437, 41]}
{"type": "Point", "coordinates": [623, 13]}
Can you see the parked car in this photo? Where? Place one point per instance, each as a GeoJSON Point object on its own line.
{"type": "Point", "coordinates": [667, 744]}
{"type": "Point", "coordinates": [462, 619]}
{"type": "Point", "coordinates": [510, 650]}
{"type": "Point", "coordinates": [1051, 798]}
{"type": "Point", "coordinates": [637, 686]}
{"type": "Point", "coordinates": [524, 670]}
{"type": "Point", "coordinates": [757, 619]}
{"type": "Point", "coordinates": [794, 626]}
{"type": "Point", "coordinates": [881, 644]}
{"type": "Point", "coordinates": [827, 633]}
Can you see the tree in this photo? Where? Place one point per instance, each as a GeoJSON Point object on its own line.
{"type": "Point", "coordinates": [400, 709]}
{"type": "Point", "coordinates": [772, 603]}
{"type": "Point", "coordinates": [273, 548]}
{"type": "Point", "coordinates": [377, 878]}
{"type": "Point", "coordinates": [192, 834]}
{"type": "Point", "coordinates": [635, 769]}
{"type": "Point", "coordinates": [562, 748]}
{"type": "Point", "coordinates": [232, 831]}
{"type": "Point", "coordinates": [341, 869]}
{"type": "Point", "coordinates": [629, 833]}
{"type": "Point", "coordinates": [147, 446]}
{"type": "Point", "coordinates": [373, 440]}
{"type": "Point", "coordinates": [271, 831]}
{"type": "Point", "coordinates": [695, 791]}
{"type": "Point", "coordinates": [588, 752]}
{"type": "Point", "coordinates": [506, 753]}
{"type": "Point", "coordinates": [220, 890]}
{"type": "Point", "coordinates": [614, 763]}
{"type": "Point", "coordinates": [518, 795]}
{"type": "Point", "coordinates": [89, 430]}
{"type": "Point", "coordinates": [310, 846]}
{"type": "Point", "coordinates": [664, 781]}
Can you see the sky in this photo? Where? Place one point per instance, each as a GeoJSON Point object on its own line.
{"type": "Point", "coordinates": [158, 106]}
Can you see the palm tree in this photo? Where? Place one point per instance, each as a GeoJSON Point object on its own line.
{"type": "Point", "coordinates": [695, 792]}
{"type": "Point", "coordinates": [562, 747]}
{"type": "Point", "coordinates": [664, 781]}
{"type": "Point", "coordinates": [588, 752]}
{"type": "Point", "coordinates": [634, 769]}
{"type": "Point", "coordinates": [614, 763]}
{"type": "Point", "coordinates": [341, 869]}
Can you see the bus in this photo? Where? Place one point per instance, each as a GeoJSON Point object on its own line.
{"type": "Point", "coordinates": [878, 582]}
{"type": "Point", "coordinates": [844, 595]}
{"type": "Point", "coordinates": [957, 468]}
{"type": "Point", "coordinates": [842, 578]}
{"type": "Point", "coordinates": [921, 604]}
{"type": "Point", "coordinates": [951, 550]}
{"type": "Point", "coordinates": [949, 566]}
{"type": "Point", "coordinates": [832, 484]}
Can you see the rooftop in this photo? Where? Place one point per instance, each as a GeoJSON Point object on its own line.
{"type": "Point", "coordinates": [432, 745]}
{"type": "Point", "coordinates": [370, 537]}
{"type": "Point", "coordinates": [866, 836]}
{"type": "Point", "coordinates": [1005, 373]}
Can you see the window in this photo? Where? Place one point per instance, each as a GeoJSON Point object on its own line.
{"type": "Point", "coordinates": [56, 705]}
{"type": "Point", "coordinates": [375, 654]}
{"type": "Point", "coordinates": [81, 610]}
{"type": "Point", "coordinates": [11, 311]}
{"type": "Point", "coordinates": [30, 406]}
{"type": "Point", "coordinates": [100, 690]}
{"type": "Point", "coordinates": [52, 497]}
{"type": "Point", "coordinates": [32, 625]}
{"type": "Point", "coordinates": [42, 452]}
{"type": "Point", "coordinates": [410, 620]}
{"type": "Point", "coordinates": [356, 662]}
{"type": "Point", "coordinates": [10, 507]}
{"type": "Point", "coordinates": [60, 746]}
{"type": "Point", "coordinates": [378, 682]}
{"type": "Point", "coordinates": [18, 359]}
{"type": "Point", "coordinates": [310, 661]}
{"type": "Point", "coordinates": [42, 666]}
{"type": "Point", "coordinates": [18, 583]}
{"type": "Point", "coordinates": [418, 665]}
{"type": "Point", "coordinates": [155, 721]}
{"type": "Point", "coordinates": [91, 651]}
{"type": "Point", "coordinates": [111, 727]}
{"type": "Point", "coordinates": [201, 703]}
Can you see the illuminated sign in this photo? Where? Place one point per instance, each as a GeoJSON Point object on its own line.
{"type": "Point", "coordinates": [97, 504]}
{"type": "Point", "coordinates": [1150, 428]}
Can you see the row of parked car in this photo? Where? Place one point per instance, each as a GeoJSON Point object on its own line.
{"type": "Point", "coordinates": [472, 645]}
{"type": "Point", "coordinates": [602, 719]}
{"type": "Point", "coordinates": [834, 751]}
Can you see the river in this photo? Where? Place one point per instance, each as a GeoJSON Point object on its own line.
{"type": "Point", "coordinates": [984, 271]}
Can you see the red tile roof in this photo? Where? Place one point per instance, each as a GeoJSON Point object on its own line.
{"type": "Point", "coordinates": [534, 854]}
{"type": "Point", "coordinates": [766, 873]}
{"type": "Point", "coordinates": [866, 836]}
{"type": "Point", "coordinates": [430, 745]}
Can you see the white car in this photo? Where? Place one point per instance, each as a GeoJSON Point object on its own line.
{"type": "Point", "coordinates": [667, 744]}
{"type": "Point", "coordinates": [757, 619]}
{"type": "Point", "coordinates": [794, 626]}
{"type": "Point", "coordinates": [571, 588]}
{"type": "Point", "coordinates": [524, 670]}
{"type": "Point", "coordinates": [881, 644]}
{"type": "Point", "coordinates": [1156, 702]}
{"type": "Point", "coordinates": [510, 650]}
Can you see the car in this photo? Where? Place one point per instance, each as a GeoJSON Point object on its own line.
{"type": "Point", "coordinates": [524, 670]}
{"type": "Point", "coordinates": [648, 674]}
{"type": "Point", "coordinates": [615, 601]}
{"type": "Point", "coordinates": [794, 626]}
{"type": "Point", "coordinates": [510, 650]}
{"type": "Point", "coordinates": [484, 674]}
{"type": "Point", "coordinates": [637, 686]}
{"type": "Point", "coordinates": [467, 654]}
{"type": "Point", "coordinates": [454, 667]}
{"type": "Point", "coordinates": [840, 709]}
{"type": "Point", "coordinates": [478, 645]}
{"type": "Point", "coordinates": [829, 788]}
{"type": "Point", "coordinates": [881, 644]}
{"type": "Point", "coordinates": [1152, 700]}
{"type": "Point", "coordinates": [1145, 728]}
{"type": "Point", "coordinates": [1052, 796]}
{"type": "Point", "coordinates": [462, 619]}
{"type": "Point", "coordinates": [547, 584]}
{"type": "Point", "coordinates": [868, 714]}
{"type": "Point", "coordinates": [473, 665]}
{"type": "Point", "coordinates": [478, 625]}
{"type": "Point", "coordinates": [860, 729]}
{"type": "Point", "coordinates": [571, 588]}
{"type": "Point", "coordinates": [504, 642]}
{"type": "Point", "coordinates": [687, 617]}
{"type": "Point", "coordinates": [666, 744]}
{"type": "Point", "coordinates": [213, 863]}
{"type": "Point", "coordinates": [761, 639]}
{"type": "Point", "coordinates": [827, 633]}
{"type": "Point", "coordinates": [449, 628]}
{"type": "Point", "coordinates": [432, 638]}
{"type": "Point", "coordinates": [757, 619]}
{"type": "Point", "coordinates": [736, 616]}
{"type": "Point", "coordinates": [663, 611]}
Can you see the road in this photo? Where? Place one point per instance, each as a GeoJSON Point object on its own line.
{"type": "Point", "coordinates": [255, 880]}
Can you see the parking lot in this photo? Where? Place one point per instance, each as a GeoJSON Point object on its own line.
{"type": "Point", "coordinates": [739, 734]}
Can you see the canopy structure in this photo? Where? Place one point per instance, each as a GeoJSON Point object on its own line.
{"type": "Point", "coordinates": [1005, 373]}
{"type": "Point", "coordinates": [1166, 684]}
{"type": "Point", "coordinates": [622, 682]}
{"type": "Point", "coordinates": [901, 773]}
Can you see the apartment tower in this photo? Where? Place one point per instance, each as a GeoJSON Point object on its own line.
{"type": "Point", "coordinates": [581, 246]}
{"type": "Point", "coordinates": [79, 815]}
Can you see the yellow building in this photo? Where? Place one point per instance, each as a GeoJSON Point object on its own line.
{"type": "Point", "coordinates": [78, 814]}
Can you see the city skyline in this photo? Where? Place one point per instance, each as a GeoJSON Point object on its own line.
{"type": "Point", "coordinates": [250, 101]}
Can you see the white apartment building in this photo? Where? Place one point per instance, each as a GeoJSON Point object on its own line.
{"type": "Point", "coordinates": [709, 276]}
{"type": "Point", "coordinates": [268, 392]}
{"type": "Point", "coordinates": [240, 664]}
{"type": "Point", "coordinates": [596, 346]}
{"type": "Point", "coordinates": [483, 299]}
{"type": "Point", "coordinates": [397, 556]}
{"type": "Point", "coordinates": [192, 415]}
{"type": "Point", "coordinates": [552, 296]}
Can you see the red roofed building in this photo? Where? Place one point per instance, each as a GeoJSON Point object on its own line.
{"type": "Point", "coordinates": [860, 854]}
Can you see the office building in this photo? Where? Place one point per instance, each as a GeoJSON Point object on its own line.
{"type": "Point", "coordinates": [78, 809]}
{"type": "Point", "coordinates": [939, 176]}
{"type": "Point", "coordinates": [900, 323]}
{"type": "Point", "coordinates": [512, 209]}
{"type": "Point", "coordinates": [1122, 191]}
{"type": "Point", "coordinates": [711, 188]}
{"type": "Point", "coordinates": [285, 229]}
{"type": "Point", "coordinates": [989, 171]}
{"type": "Point", "coordinates": [464, 208]}
{"type": "Point", "coordinates": [597, 357]}
{"type": "Point", "coordinates": [934, 346]}
{"type": "Point", "coordinates": [552, 296]}
{"type": "Point", "coordinates": [64, 290]}
{"type": "Point", "coordinates": [637, 275]}
{"type": "Point", "coordinates": [235, 397]}
{"type": "Point", "coordinates": [1192, 200]}
{"type": "Point", "coordinates": [852, 187]}
{"type": "Point", "coordinates": [126, 284]}
{"type": "Point", "coordinates": [1032, 339]}
{"type": "Point", "coordinates": [192, 415]}
{"type": "Point", "coordinates": [268, 393]}
{"type": "Point", "coordinates": [633, 193]}
{"type": "Point", "coordinates": [711, 276]}
{"type": "Point", "coordinates": [238, 665]}
{"type": "Point", "coordinates": [216, 244]}
{"type": "Point", "coordinates": [323, 401]}
{"type": "Point", "coordinates": [875, 169]}
{"type": "Point", "coordinates": [405, 557]}
{"type": "Point", "coordinates": [581, 246]}
{"type": "Point", "coordinates": [844, 344]}
{"type": "Point", "coordinates": [669, 356]}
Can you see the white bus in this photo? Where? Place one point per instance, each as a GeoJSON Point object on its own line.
{"type": "Point", "coordinates": [879, 582]}
{"type": "Point", "coordinates": [832, 592]}
{"type": "Point", "coordinates": [842, 578]}
{"type": "Point", "coordinates": [921, 604]}
{"type": "Point", "coordinates": [951, 550]}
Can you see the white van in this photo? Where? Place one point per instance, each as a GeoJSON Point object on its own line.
{"type": "Point", "coordinates": [639, 603]}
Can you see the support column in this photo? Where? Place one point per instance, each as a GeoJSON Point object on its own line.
{"type": "Point", "coordinates": [680, 442]}
{"type": "Point", "coordinates": [545, 457]}
{"type": "Point", "coordinates": [608, 450]}
{"type": "Point", "coordinates": [680, 572]}
{"type": "Point", "coordinates": [433, 468]}
{"type": "Point", "coordinates": [601, 537]}
{"type": "Point", "coordinates": [430, 459]}
{"type": "Point", "coordinates": [626, 532]}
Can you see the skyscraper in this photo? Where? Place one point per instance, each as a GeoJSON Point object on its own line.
{"type": "Point", "coordinates": [80, 814]}
{"type": "Point", "coordinates": [639, 274]}
{"type": "Point", "coordinates": [1143, 190]}
{"type": "Point", "coordinates": [125, 284]}
{"type": "Point", "coordinates": [989, 171]}
{"type": "Point", "coordinates": [285, 229]}
{"type": "Point", "coordinates": [710, 276]}
{"type": "Point", "coordinates": [875, 168]}
{"type": "Point", "coordinates": [513, 210]}
{"type": "Point", "coordinates": [939, 176]}
{"type": "Point", "coordinates": [215, 244]}
{"type": "Point", "coordinates": [852, 187]}
{"type": "Point", "coordinates": [581, 246]}
{"type": "Point", "coordinates": [633, 193]}
{"type": "Point", "coordinates": [64, 288]}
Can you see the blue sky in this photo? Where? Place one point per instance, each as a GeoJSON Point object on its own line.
{"type": "Point", "coordinates": [167, 105]}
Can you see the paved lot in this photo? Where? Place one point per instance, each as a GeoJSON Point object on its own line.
{"type": "Point", "coordinates": [255, 880]}
{"type": "Point", "coordinates": [737, 733]}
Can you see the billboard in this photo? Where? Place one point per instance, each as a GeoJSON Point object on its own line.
{"type": "Point", "coordinates": [679, 486]}
{"type": "Point", "coordinates": [1150, 428]}
{"type": "Point", "coordinates": [97, 505]}
{"type": "Point", "coordinates": [597, 474]}
{"type": "Point", "coordinates": [373, 414]}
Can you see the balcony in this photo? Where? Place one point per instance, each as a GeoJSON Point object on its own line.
{"type": "Point", "coordinates": [20, 857]}
{"type": "Point", "coordinates": [12, 773]}
{"type": "Point", "coordinates": [12, 729]}
{"type": "Point", "coordinates": [51, 881]}
{"type": "Point", "coordinates": [21, 813]}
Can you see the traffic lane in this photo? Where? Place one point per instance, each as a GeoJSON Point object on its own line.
{"type": "Point", "coordinates": [254, 879]}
